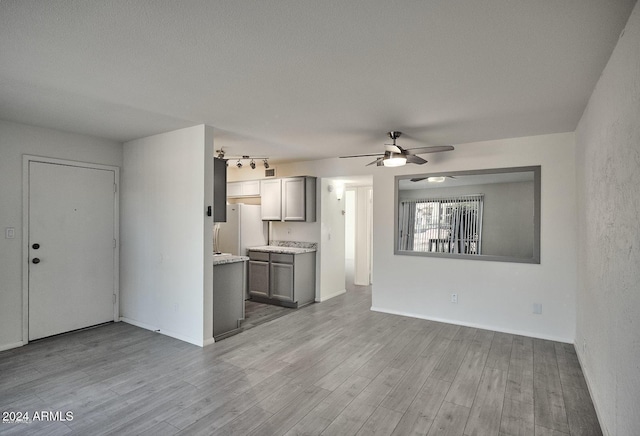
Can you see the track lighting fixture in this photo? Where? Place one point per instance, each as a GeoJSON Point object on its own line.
{"type": "Point", "coordinates": [220, 154]}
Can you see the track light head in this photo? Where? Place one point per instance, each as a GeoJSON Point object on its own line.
{"type": "Point", "coordinates": [266, 164]}
{"type": "Point", "coordinates": [239, 164]}
{"type": "Point", "coordinates": [252, 164]}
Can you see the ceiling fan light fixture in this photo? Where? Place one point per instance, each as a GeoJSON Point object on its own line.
{"type": "Point", "coordinates": [438, 179]}
{"type": "Point", "coordinates": [395, 160]}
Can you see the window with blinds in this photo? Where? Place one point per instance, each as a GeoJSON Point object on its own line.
{"type": "Point", "coordinates": [442, 225]}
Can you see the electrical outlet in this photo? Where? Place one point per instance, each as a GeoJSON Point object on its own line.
{"type": "Point", "coordinates": [537, 308]}
{"type": "Point", "coordinates": [454, 298]}
{"type": "Point", "coordinates": [9, 232]}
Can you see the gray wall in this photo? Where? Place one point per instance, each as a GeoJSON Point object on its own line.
{"type": "Point", "coordinates": [507, 222]}
{"type": "Point", "coordinates": [608, 297]}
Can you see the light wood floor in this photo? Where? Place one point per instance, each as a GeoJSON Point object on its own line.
{"type": "Point", "coordinates": [334, 368]}
{"type": "Point", "coordinates": [258, 313]}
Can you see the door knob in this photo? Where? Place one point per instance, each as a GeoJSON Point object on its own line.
{"type": "Point", "coordinates": [35, 260]}
{"type": "Point", "coordinates": [35, 246]}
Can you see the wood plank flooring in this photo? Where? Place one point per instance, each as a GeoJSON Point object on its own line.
{"type": "Point", "coordinates": [334, 368]}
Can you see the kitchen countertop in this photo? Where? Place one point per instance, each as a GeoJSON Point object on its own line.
{"type": "Point", "coordinates": [281, 249]}
{"type": "Point", "coordinates": [221, 259]}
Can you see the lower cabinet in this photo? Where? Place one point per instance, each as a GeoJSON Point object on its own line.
{"type": "Point", "coordinates": [228, 299]}
{"type": "Point", "coordinates": [284, 279]}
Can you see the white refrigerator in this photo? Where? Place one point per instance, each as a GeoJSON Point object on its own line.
{"type": "Point", "coordinates": [244, 228]}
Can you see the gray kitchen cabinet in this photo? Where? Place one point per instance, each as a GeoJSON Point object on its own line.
{"type": "Point", "coordinates": [281, 277]}
{"type": "Point", "coordinates": [259, 278]}
{"type": "Point", "coordinates": [219, 190]}
{"type": "Point", "coordinates": [289, 199]}
{"type": "Point", "coordinates": [228, 299]}
{"type": "Point", "coordinates": [285, 279]}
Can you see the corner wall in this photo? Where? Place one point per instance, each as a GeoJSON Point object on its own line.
{"type": "Point", "coordinates": [608, 297]}
{"type": "Point", "coordinates": [166, 244]}
{"type": "Point", "coordinates": [491, 295]}
{"type": "Point", "coordinates": [15, 140]}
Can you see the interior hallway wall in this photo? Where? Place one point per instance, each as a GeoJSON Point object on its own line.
{"type": "Point", "coordinates": [167, 240]}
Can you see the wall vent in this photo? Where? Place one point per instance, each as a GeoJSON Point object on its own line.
{"type": "Point", "coordinates": [270, 172]}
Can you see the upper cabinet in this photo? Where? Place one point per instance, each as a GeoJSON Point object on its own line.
{"type": "Point", "coordinates": [248, 188]}
{"type": "Point", "coordinates": [289, 199]}
{"type": "Point", "coordinates": [271, 199]}
{"type": "Point", "coordinates": [219, 190]}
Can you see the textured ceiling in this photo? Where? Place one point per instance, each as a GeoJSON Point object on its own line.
{"type": "Point", "coordinates": [296, 79]}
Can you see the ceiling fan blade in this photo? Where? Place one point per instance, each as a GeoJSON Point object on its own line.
{"type": "Point", "coordinates": [435, 149]}
{"type": "Point", "coordinates": [378, 161]}
{"type": "Point", "coordinates": [415, 159]}
{"type": "Point", "coordinates": [392, 148]}
{"type": "Point", "coordinates": [359, 155]}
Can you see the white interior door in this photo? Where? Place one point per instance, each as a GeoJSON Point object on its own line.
{"type": "Point", "coordinates": [364, 236]}
{"type": "Point", "coordinates": [71, 269]}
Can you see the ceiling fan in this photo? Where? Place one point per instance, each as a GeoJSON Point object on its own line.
{"type": "Point", "coordinates": [395, 156]}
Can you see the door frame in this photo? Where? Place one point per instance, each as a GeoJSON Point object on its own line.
{"type": "Point", "coordinates": [26, 160]}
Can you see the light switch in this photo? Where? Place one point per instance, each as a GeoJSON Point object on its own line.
{"type": "Point", "coordinates": [9, 233]}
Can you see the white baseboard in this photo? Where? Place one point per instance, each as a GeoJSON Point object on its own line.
{"type": "Point", "coordinates": [162, 331]}
{"type": "Point", "coordinates": [335, 294]}
{"type": "Point", "coordinates": [208, 342]}
{"type": "Point", "coordinates": [474, 325]}
{"type": "Point", "coordinates": [587, 379]}
{"type": "Point", "coordinates": [5, 347]}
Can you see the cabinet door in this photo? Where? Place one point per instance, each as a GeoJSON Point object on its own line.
{"type": "Point", "coordinates": [219, 190]}
{"type": "Point", "coordinates": [271, 194]}
{"type": "Point", "coordinates": [293, 199]}
{"type": "Point", "coordinates": [281, 281]}
{"type": "Point", "coordinates": [234, 189]}
{"type": "Point", "coordinates": [251, 187]}
{"type": "Point", "coordinates": [259, 278]}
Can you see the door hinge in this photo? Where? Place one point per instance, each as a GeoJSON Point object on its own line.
{"type": "Point", "coordinates": [115, 188]}
{"type": "Point", "coordinates": [114, 243]}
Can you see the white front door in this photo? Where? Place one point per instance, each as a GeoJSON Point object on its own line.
{"type": "Point", "coordinates": [71, 248]}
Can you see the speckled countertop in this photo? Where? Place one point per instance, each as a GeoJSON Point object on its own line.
{"type": "Point", "coordinates": [281, 249]}
{"type": "Point", "coordinates": [287, 247]}
{"type": "Point", "coordinates": [221, 259]}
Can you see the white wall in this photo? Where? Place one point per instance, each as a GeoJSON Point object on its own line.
{"type": "Point", "coordinates": [492, 295]}
{"type": "Point", "coordinates": [16, 140]}
{"type": "Point", "coordinates": [608, 298]}
{"type": "Point", "coordinates": [166, 250]}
